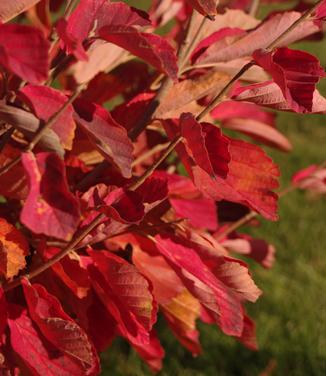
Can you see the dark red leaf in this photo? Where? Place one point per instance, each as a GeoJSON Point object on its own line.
{"type": "Point", "coordinates": [109, 137]}
{"type": "Point", "coordinates": [50, 208]}
{"type": "Point", "coordinates": [59, 329]}
{"type": "Point", "coordinates": [126, 294]}
{"type": "Point", "coordinates": [37, 355]}
{"type": "Point", "coordinates": [206, 145]}
{"type": "Point", "coordinates": [295, 72]}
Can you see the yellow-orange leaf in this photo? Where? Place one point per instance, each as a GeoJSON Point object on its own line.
{"type": "Point", "coordinates": [13, 249]}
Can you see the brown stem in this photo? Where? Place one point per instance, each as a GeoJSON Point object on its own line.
{"type": "Point", "coordinates": [220, 95]}
{"type": "Point", "coordinates": [152, 168]}
{"type": "Point", "coordinates": [254, 7]}
{"type": "Point", "coordinates": [157, 148]}
{"type": "Point", "coordinates": [240, 222]}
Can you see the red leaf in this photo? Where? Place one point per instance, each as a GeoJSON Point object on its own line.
{"type": "Point", "coordinates": [201, 212]}
{"type": "Point", "coordinates": [248, 336]}
{"type": "Point", "coordinates": [13, 250]}
{"type": "Point", "coordinates": [109, 137]}
{"type": "Point", "coordinates": [251, 179]}
{"type": "Point", "coordinates": [24, 51]}
{"type": "Point", "coordinates": [39, 357]}
{"type": "Point", "coordinates": [180, 308]}
{"type": "Point", "coordinates": [3, 313]}
{"type": "Point", "coordinates": [73, 45]}
{"type": "Point", "coordinates": [90, 14]}
{"type": "Point", "coordinates": [152, 353]}
{"type": "Point", "coordinates": [321, 10]}
{"type": "Point", "coordinates": [44, 102]}
{"type": "Point", "coordinates": [125, 293]}
{"type": "Point", "coordinates": [234, 274]}
{"type": "Point", "coordinates": [295, 72]}
{"type": "Point", "coordinates": [122, 205]}
{"type": "Point", "coordinates": [70, 270]}
{"type": "Point", "coordinates": [49, 209]}
{"type": "Point", "coordinates": [152, 48]}
{"type": "Point", "coordinates": [205, 7]}
{"type": "Point", "coordinates": [206, 145]}
{"type": "Point", "coordinates": [201, 282]}
{"type": "Point", "coordinates": [269, 94]}
{"type": "Point", "coordinates": [59, 329]}
{"type": "Point", "coordinates": [153, 189]}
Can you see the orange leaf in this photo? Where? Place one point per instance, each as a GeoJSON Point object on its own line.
{"type": "Point", "coordinates": [13, 249]}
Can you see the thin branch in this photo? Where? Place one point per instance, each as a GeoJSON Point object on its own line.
{"type": "Point", "coordinates": [254, 7]}
{"type": "Point", "coordinates": [157, 148]}
{"type": "Point", "coordinates": [225, 89]}
{"type": "Point", "coordinates": [152, 168]}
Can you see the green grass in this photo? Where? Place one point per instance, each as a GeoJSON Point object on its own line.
{"type": "Point", "coordinates": [291, 314]}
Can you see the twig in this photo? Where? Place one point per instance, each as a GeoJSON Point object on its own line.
{"type": "Point", "coordinates": [152, 168]}
{"type": "Point", "coordinates": [220, 95]}
{"type": "Point", "coordinates": [150, 153]}
{"type": "Point", "coordinates": [254, 7]}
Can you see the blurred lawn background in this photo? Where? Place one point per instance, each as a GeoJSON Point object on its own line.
{"type": "Point", "coordinates": [291, 314]}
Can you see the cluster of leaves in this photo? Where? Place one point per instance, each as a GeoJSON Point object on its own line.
{"type": "Point", "coordinates": [98, 230]}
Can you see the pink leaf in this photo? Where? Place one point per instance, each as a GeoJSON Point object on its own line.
{"type": "Point", "coordinates": [251, 120]}
{"type": "Point", "coordinates": [269, 94]}
{"type": "Point", "coordinates": [260, 37]}
{"type": "Point", "coordinates": [24, 51]}
{"type": "Point", "coordinates": [10, 9]}
{"type": "Point", "coordinates": [49, 209]}
{"type": "Point", "coordinates": [295, 72]}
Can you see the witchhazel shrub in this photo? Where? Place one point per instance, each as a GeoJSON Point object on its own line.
{"type": "Point", "coordinates": [123, 195]}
